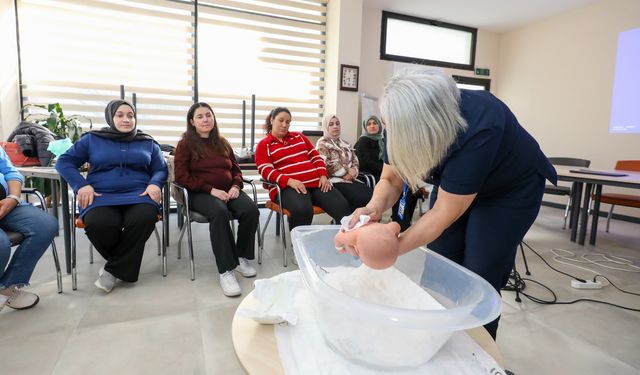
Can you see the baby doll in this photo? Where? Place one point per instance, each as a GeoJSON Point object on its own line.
{"type": "Point", "coordinates": [376, 244]}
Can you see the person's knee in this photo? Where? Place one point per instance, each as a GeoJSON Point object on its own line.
{"type": "Point", "coordinates": [42, 225]}
{"type": "Point", "coordinates": [254, 213]}
{"type": "Point", "coordinates": [48, 227]}
{"type": "Point", "coordinates": [301, 216]}
{"type": "Point", "coordinates": [145, 216]}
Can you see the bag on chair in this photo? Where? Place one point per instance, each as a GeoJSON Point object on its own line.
{"type": "Point", "coordinates": [16, 156]}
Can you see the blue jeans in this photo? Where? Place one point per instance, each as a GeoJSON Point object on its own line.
{"type": "Point", "coordinates": [38, 229]}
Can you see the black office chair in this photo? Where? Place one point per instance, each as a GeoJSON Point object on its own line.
{"type": "Point", "coordinates": [16, 238]}
{"type": "Point", "coordinates": [565, 190]}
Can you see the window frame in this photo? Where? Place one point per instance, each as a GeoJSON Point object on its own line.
{"type": "Point", "coordinates": [408, 59]}
{"type": "Point", "coordinates": [484, 82]}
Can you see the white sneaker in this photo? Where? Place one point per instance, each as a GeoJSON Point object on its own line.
{"type": "Point", "coordinates": [106, 281]}
{"type": "Point", "coordinates": [229, 284]}
{"type": "Point", "coordinates": [245, 268]}
{"type": "Point", "coordinates": [18, 299]}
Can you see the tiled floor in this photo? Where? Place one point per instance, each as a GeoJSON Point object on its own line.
{"type": "Point", "coordinates": [174, 325]}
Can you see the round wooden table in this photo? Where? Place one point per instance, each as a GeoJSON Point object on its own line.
{"type": "Point", "coordinates": [257, 350]}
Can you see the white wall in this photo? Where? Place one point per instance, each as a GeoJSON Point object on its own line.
{"type": "Point", "coordinates": [344, 25]}
{"type": "Point", "coordinates": [9, 90]}
{"type": "Point", "coordinates": [374, 73]}
{"type": "Point", "coordinates": [557, 77]}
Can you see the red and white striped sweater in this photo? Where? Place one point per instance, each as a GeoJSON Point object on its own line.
{"type": "Point", "coordinates": [293, 157]}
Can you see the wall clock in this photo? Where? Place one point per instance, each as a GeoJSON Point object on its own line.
{"type": "Point", "coordinates": [349, 75]}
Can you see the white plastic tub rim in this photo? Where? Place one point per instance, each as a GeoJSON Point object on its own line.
{"type": "Point", "coordinates": [456, 318]}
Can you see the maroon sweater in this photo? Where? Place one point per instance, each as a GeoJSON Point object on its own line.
{"type": "Point", "coordinates": [213, 171]}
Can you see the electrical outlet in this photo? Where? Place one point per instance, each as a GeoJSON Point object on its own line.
{"type": "Point", "coordinates": [586, 285]}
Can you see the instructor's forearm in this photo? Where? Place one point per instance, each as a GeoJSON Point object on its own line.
{"type": "Point", "coordinates": [424, 231]}
{"type": "Point", "coordinates": [387, 191]}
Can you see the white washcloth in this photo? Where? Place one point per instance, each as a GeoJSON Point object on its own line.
{"type": "Point", "coordinates": [344, 223]}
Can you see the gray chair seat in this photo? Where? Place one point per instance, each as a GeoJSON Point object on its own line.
{"type": "Point", "coordinates": [15, 238]}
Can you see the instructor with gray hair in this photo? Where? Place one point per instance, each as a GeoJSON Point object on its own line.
{"type": "Point", "coordinates": [488, 172]}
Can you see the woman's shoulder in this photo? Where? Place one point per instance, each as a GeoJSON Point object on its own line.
{"type": "Point", "coordinates": [321, 141]}
{"type": "Point", "coordinates": [364, 141]}
{"type": "Point", "coordinates": [182, 143]}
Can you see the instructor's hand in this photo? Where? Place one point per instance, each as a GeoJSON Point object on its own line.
{"type": "Point", "coordinates": [371, 212]}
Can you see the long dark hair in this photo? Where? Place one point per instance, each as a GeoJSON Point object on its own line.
{"type": "Point", "coordinates": [274, 112]}
{"type": "Point", "coordinates": [198, 149]}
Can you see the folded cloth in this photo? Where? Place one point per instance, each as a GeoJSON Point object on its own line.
{"type": "Point", "coordinates": [276, 299]}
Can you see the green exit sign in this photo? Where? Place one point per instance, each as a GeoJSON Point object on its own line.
{"type": "Point", "coordinates": [482, 71]}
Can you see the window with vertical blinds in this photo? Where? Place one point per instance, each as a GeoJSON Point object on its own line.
{"type": "Point", "coordinates": [79, 53]}
{"type": "Point", "coordinates": [272, 49]}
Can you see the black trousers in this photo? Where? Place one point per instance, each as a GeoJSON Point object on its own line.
{"type": "Point", "coordinates": [485, 239]}
{"type": "Point", "coordinates": [357, 194]}
{"type": "Point", "coordinates": [300, 206]}
{"type": "Point", "coordinates": [119, 234]}
{"type": "Point", "coordinates": [225, 249]}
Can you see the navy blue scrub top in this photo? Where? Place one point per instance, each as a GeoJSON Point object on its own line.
{"type": "Point", "coordinates": [493, 155]}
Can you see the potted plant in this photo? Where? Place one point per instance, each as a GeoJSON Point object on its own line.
{"type": "Point", "coordinates": [53, 118]}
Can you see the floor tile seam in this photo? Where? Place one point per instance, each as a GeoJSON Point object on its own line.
{"type": "Point", "coordinates": [71, 332]}
{"type": "Point", "coordinates": [163, 316]}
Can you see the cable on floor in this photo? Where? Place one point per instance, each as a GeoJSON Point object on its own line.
{"type": "Point", "coordinates": [518, 283]}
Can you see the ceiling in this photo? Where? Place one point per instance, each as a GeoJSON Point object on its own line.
{"type": "Point", "coordinates": [492, 15]}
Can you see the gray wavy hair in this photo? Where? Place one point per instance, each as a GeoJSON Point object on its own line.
{"type": "Point", "coordinates": [420, 110]}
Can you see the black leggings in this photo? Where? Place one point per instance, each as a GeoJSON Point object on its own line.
{"type": "Point", "coordinates": [300, 206]}
{"type": "Point", "coordinates": [357, 194]}
{"type": "Point", "coordinates": [119, 234]}
{"type": "Point", "coordinates": [225, 249]}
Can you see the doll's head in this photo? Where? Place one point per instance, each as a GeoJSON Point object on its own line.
{"type": "Point", "coordinates": [376, 244]}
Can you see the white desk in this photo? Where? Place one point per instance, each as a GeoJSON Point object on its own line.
{"type": "Point", "coordinates": [257, 350]}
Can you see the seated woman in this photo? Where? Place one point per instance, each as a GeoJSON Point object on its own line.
{"type": "Point", "coordinates": [206, 166]}
{"type": "Point", "coordinates": [37, 228]}
{"type": "Point", "coordinates": [289, 159]}
{"type": "Point", "coordinates": [370, 149]}
{"type": "Point", "coordinates": [342, 164]}
{"type": "Point", "coordinates": [120, 198]}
